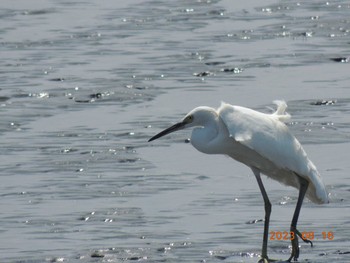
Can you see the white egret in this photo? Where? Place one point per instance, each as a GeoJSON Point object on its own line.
{"type": "Point", "coordinates": [262, 142]}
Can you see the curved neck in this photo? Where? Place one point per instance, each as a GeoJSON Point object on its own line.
{"type": "Point", "coordinates": [202, 137]}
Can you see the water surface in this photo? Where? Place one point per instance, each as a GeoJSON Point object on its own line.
{"type": "Point", "coordinates": [84, 85]}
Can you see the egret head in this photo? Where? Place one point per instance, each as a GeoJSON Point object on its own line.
{"type": "Point", "coordinates": [197, 117]}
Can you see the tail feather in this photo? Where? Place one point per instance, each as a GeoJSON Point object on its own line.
{"type": "Point", "coordinates": [281, 113]}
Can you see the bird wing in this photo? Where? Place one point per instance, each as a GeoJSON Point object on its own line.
{"type": "Point", "coordinates": [266, 134]}
{"type": "Point", "coordinates": [269, 137]}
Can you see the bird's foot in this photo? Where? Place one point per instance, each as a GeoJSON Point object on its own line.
{"type": "Point", "coordinates": [296, 231]}
{"type": "Point", "coordinates": [295, 244]}
{"type": "Point", "coordinates": [263, 260]}
{"type": "Point", "coordinates": [266, 260]}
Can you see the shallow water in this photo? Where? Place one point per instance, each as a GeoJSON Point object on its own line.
{"type": "Point", "coordinates": [84, 85]}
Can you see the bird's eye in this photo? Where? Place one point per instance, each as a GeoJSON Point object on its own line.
{"type": "Point", "coordinates": [189, 118]}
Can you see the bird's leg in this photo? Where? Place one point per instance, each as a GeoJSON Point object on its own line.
{"type": "Point", "coordinates": [264, 257]}
{"type": "Point", "coordinates": [293, 227]}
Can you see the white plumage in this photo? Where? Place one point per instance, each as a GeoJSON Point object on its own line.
{"type": "Point", "coordinates": [269, 137]}
{"type": "Point", "coordinates": [264, 143]}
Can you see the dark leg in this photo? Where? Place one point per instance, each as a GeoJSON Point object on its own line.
{"type": "Point", "coordinates": [264, 257]}
{"type": "Point", "coordinates": [293, 227]}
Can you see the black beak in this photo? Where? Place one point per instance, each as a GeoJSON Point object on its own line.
{"type": "Point", "coordinates": [176, 127]}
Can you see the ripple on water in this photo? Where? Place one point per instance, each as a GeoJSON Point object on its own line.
{"type": "Point", "coordinates": [320, 121]}
{"type": "Point", "coordinates": [76, 189]}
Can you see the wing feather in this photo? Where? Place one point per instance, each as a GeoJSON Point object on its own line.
{"type": "Point", "coordinates": [267, 135]}
{"type": "Point", "coordinates": [264, 133]}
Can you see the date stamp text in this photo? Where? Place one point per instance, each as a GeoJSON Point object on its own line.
{"type": "Point", "coordinates": [311, 235]}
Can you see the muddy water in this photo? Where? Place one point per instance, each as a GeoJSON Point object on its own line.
{"type": "Point", "coordinates": [85, 84]}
